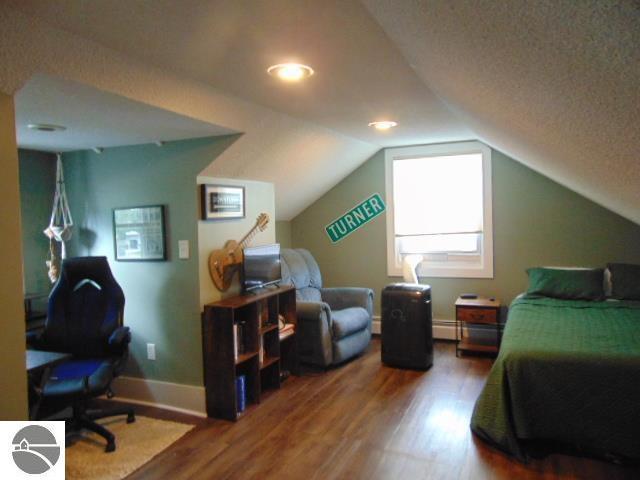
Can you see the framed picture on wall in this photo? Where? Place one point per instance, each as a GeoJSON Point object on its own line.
{"type": "Point", "coordinates": [138, 234]}
{"type": "Point", "coordinates": [220, 202]}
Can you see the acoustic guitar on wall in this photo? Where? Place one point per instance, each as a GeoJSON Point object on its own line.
{"type": "Point", "coordinates": [224, 263]}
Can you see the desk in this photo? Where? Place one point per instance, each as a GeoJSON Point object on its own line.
{"type": "Point", "coordinates": [39, 359]}
{"type": "Point", "coordinates": [40, 362]}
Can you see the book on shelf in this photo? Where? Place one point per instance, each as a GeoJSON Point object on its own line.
{"type": "Point", "coordinates": [287, 331]}
{"type": "Point", "coordinates": [287, 327]}
{"type": "Point", "coordinates": [263, 313]}
{"type": "Point", "coordinates": [238, 340]}
{"type": "Point", "coordinates": [241, 393]}
{"type": "Point", "coordinates": [235, 341]}
{"type": "Point", "coordinates": [261, 351]}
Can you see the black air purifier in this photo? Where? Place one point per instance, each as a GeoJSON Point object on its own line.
{"type": "Point", "coordinates": [407, 339]}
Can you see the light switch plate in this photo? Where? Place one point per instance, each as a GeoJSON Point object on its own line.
{"type": "Point", "coordinates": [151, 351]}
{"type": "Point", "coordinates": [183, 249]}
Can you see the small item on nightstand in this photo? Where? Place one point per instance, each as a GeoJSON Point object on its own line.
{"type": "Point", "coordinates": [470, 296]}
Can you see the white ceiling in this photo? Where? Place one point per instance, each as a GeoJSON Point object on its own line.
{"type": "Point", "coordinates": [553, 84]}
{"type": "Point", "coordinates": [302, 159]}
{"type": "Point", "coordinates": [360, 75]}
{"type": "Point", "coordinates": [94, 118]}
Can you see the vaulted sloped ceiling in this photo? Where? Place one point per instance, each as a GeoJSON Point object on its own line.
{"type": "Point", "coordinates": [554, 84]}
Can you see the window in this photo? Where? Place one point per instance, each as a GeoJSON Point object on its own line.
{"type": "Point", "coordinates": [439, 200]}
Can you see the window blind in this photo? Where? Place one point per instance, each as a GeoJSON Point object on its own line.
{"type": "Point", "coordinates": [438, 195]}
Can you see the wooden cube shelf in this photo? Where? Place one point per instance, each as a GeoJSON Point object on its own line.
{"type": "Point", "coordinates": [257, 315]}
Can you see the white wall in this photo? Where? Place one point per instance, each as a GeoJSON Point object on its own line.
{"type": "Point", "coordinates": [212, 234]}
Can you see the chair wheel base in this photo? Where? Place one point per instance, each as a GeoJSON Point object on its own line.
{"type": "Point", "coordinates": [111, 447]}
{"type": "Point", "coordinates": [131, 418]}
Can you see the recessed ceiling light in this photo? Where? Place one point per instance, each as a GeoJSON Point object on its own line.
{"type": "Point", "coordinates": [383, 124]}
{"type": "Point", "coordinates": [290, 72]}
{"type": "Point", "coordinates": [46, 127]}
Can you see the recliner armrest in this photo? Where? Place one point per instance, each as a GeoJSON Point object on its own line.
{"type": "Point", "coordinates": [346, 297]}
{"type": "Point", "coordinates": [314, 311]}
{"type": "Point", "coordinates": [313, 332]}
{"type": "Point", "coordinates": [119, 339]}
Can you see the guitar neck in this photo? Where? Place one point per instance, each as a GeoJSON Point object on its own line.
{"type": "Point", "coordinates": [247, 238]}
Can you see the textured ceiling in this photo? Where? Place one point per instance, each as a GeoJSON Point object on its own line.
{"type": "Point", "coordinates": [554, 84]}
{"type": "Point", "coordinates": [274, 147]}
{"type": "Point", "coordinates": [360, 75]}
{"type": "Point", "coordinates": [96, 119]}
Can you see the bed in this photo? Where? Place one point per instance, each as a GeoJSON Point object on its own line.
{"type": "Point", "coordinates": [568, 374]}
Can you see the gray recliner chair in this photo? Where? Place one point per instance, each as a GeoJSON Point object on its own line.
{"type": "Point", "coordinates": [334, 324]}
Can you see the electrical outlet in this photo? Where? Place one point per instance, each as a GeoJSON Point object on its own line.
{"type": "Point", "coordinates": [151, 351]}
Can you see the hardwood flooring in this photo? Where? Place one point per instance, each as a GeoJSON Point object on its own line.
{"type": "Point", "coordinates": [361, 421]}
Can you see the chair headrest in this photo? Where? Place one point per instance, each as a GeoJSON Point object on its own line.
{"type": "Point", "coordinates": [95, 269]}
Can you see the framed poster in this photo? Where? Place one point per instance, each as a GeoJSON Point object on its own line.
{"type": "Point", "coordinates": [221, 202]}
{"type": "Point", "coordinates": [138, 234]}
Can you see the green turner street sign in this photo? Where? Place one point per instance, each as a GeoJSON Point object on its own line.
{"type": "Point", "coordinates": [355, 218]}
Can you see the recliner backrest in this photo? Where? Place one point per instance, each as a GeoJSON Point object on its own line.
{"type": "Point", "coordinates": [302, 271]}
{"type": "Point", "coordinates": [85, 306]}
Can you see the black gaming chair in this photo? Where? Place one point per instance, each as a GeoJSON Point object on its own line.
{"type": "Point", "coordinates": [84, 318]}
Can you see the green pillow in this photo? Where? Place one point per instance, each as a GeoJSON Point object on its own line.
{"type": "Point", "coordinates": [567, 283]}
{"type": "Point", "coordinates": [625, 281]}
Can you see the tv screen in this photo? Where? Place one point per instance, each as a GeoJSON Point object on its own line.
{"type": "Point", "coordinates": [261, 266]}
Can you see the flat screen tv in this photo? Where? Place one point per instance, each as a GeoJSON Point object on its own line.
{"type": "Point", "coordinates": [261, 266]}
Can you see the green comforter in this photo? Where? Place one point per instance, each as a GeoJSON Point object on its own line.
{"type": "Point", "coordinates": [568, 372]}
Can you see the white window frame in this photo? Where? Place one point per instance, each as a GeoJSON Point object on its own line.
{"type": "Point", "coordinates": [451, 266]}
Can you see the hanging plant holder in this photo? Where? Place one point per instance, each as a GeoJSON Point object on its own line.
{"type": "Point", "coordinates": [60, 226]}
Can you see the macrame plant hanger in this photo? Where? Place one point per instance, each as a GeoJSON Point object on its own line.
{"type": "Point", "coordinates": [60, 225]}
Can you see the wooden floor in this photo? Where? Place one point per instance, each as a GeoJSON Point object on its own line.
{"type": "Point", "coordinates": [360, 421]}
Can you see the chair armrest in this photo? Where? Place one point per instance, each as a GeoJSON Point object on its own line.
{"type": "Point", "coordinates": [119, 339]}
{"type": "Point", "coordinates": [313, 333]}
{"type": "Point", "coordinates": [345, 297]}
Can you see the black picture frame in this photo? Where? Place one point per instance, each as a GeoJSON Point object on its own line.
{"type": "Point", "coordinates": [139, 234]}
{"type": "Point", "coordinates": [222, 202]}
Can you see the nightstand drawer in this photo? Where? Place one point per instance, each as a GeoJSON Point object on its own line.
{"type": "Point", "coordinates": [477, 315]}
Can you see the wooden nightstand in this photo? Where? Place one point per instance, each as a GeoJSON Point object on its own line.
{"type": "Point", "coordinates": [477, 311]}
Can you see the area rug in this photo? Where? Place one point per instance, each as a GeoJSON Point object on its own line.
{"type": "Point", "coordinates": [136, 444]}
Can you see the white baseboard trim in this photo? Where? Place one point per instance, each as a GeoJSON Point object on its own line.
{"type": "Point", "coordinates": [189, 399]}
{"type": "Point", "coordinates": [442, 329]}
{"type": "Point", "coordinates": [376, 328]}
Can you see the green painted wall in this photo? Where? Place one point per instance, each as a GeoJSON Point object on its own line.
{"type": "Point", "coordinates": [37, 187]}
{"type": "Point", "coordinates": [13, 375]}
{"type": "Point", "coordinates": [162, 298]}
{"type": "Point", "coordinates": [283, 234]}
{"type": "Point", "coordinates": [536, 222]}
